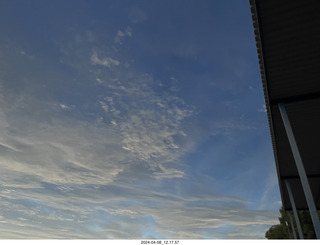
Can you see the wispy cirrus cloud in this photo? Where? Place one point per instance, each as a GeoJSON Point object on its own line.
{"type": "Point", "coordinates": [118, 171]}
{"type": "Point", "coordinates": [63, 171]}
{"type": "Point", "coordinates": [151, 123]}
{"type": "Point", "coordinates": [58, 167]}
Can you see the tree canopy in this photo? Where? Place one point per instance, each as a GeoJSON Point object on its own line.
{"type": "Point", "coordinates": [284, 229]}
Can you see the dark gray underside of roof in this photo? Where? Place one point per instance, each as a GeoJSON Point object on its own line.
{"type": "Point", "coordinates": [288, 42]}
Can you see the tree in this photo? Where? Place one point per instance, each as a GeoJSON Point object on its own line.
{"type": "Point", "coordinates": [277, 232]}
{"type": "Point", "coordinates": [284, 229]}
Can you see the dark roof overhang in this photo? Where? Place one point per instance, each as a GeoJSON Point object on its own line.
{"type": "Point", "coordinates": [287, 35]}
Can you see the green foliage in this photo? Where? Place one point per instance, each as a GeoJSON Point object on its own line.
{"type": "Point", "coordinates": [277, 232]}
{"type": "Point", "coordinates": [284, 229]}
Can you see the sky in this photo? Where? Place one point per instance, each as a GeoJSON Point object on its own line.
{"type": "Point", "coordinates": [133, 119]}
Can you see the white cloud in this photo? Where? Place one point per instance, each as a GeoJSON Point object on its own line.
{"type": "Point", "coordinates": [263, 109]}
{"type": "Point", "coordinates": [151, 124]}
{"type": "Point", "coordinates": [99, 80]}
{"type": "Point", "coordinates": [64, 106]}
{"type": "Point", "coordinates": [104, 106]}
{"type": "Point", "coordinates": [107, 61]}
{"type": "Point", "coordinates": [179, 220]}
{"type": "Point", "coordinates": [58, 169]}
{"type": "Point", "coordinates": [104, 177]}
{"type": "Point", "coordinates": [168, 173]}
{"type": "Point", "coordinates": [185, 217]}
{"type": "Point", "coordinates": [125, 212]}
{"type": "Point", "coordinates": [56, 148]}
{"type": "Point", "coordinates": [122, 34]}
{"type": "Point", "coordinates": [63, 154]}
{"type": "Point", "coordinates": [129, 32]}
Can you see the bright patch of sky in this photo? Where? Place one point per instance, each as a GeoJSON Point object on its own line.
{"type": "Point", "coordinates": [133, 119]}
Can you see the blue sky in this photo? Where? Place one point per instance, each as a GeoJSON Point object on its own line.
{"type": "Point", "coordinates": [133, 119]}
